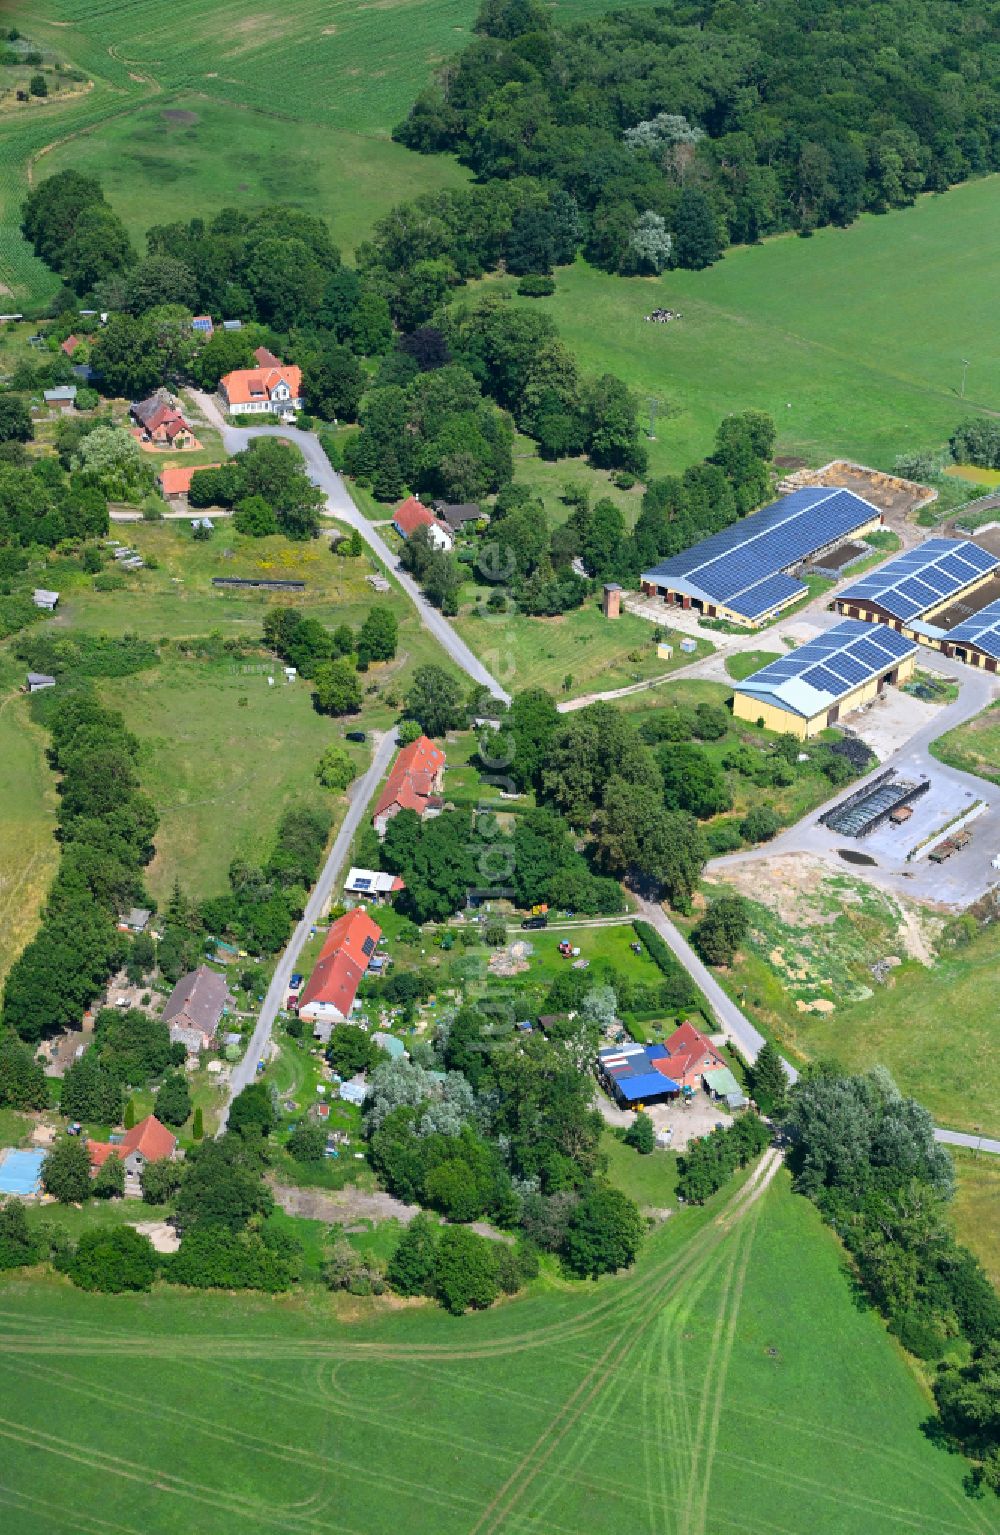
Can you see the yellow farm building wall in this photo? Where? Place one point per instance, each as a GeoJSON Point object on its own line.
{"type": "Point", "coordinates": [787, 722]}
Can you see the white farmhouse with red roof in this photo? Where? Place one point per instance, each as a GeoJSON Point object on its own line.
{"type": "Point", "coordinates": [271, 387]}
{"type": "Point", "coordinates": [414, 784]}
{"type": "Point", "coordinates": [412, 514]}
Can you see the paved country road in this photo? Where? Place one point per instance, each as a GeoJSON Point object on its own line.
{"type": "Point", "coordinates": [359, 795]}
{"type": "Point", "coordinates": [340, 505]}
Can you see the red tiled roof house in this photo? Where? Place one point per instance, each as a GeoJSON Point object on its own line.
{"type": "Point", "coordinates": [160, 422]}
{"type": "Point", "coordinates": [148, 1141]}
{"type": "Point", "coordinates": [329, 993]}
{"type": "Point", "coordinates": [414, 784]}
{"type": "Point", "coordinates": [689, 1054]}
{"type": "Point", "coordinates": [271, 387]}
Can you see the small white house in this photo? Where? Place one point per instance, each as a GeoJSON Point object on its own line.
{"type": "Point", "coordinates": [44, 599]}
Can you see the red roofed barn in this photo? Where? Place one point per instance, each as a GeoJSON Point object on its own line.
{"type": "Point", "coordinates": [412, 514]}
{"type": "Point", "coordinates": [414, 784]}
{"type": "Point", "coordinates": [345, 956]}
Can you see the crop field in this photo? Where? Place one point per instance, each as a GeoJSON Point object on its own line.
{"type": "Point", "coordinates": [853, 340]}
{"type": "Point", "coordinates": [728, 1384]}
{"type": "Point", "coordinates": [28, 852]}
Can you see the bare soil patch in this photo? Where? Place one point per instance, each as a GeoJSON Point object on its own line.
{"type": "Point", "coordinates": [180, 118]}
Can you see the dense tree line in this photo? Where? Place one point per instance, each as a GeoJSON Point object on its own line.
{"type": "Point", "coordinates": [40, 504]}
{"type": "Point", "coordinates": [106, 826]}
{"type": "Point", "coordinates": [436, 434]}
{"type": "Point", "coordinates": [653, 138]}
{"type": "Point", "coordinates": [710, 1162]}
{"type": "Point", "coordinates": [268, 487]}
{"type": "Point", "coordinates": [867, 1158]}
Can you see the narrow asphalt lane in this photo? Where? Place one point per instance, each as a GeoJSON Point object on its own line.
{"type": "Point", "coordinates": [733, 1023]}
{"type": "Point", "coordinates": [359, 797]}
{"type": "Point", "coordinates": [340, 505]}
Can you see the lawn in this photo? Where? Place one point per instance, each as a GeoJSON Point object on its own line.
{"type": "Point", "coordinates": [729, 1383]}
{"type": "Point", "coordinates": [223, 751]}
{"type": "Point", "coordinates": [574, 654]}
{"type": "Point", "coordinates": [745, 662]}
{"type": "Point", "coordinates": [28, 852]}
{"type": "Point", "coordinates": [973, 747]}
{"type": "Point", "coordinates": [650, 1180]}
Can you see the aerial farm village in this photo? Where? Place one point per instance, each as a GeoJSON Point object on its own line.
{"type": "Point", "coordinates": [500, 768]}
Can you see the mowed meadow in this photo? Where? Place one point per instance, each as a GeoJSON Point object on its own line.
{"type": "Point", "coordinates": [729, 1384]}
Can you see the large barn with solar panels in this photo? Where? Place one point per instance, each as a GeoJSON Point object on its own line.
{"type": "Point", "coordinates": [814, 685]}
{"type": "Point", "coordinates": [744, 573]}
{"type": "Point", "coordinates": [977, 639]}
{"type": "Point", "coordinates": [927, 591]}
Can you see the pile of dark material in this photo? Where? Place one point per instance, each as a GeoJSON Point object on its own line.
{"type": "Point", "coordinates": [857, 753]}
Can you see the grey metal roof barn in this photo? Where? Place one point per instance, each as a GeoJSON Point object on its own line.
{"type": "Point", "coordinates": [922, 578]}
{"type": "Point", "coordinates": [813, 676]}
{"type": "Point", "coordinates": [745, 567]}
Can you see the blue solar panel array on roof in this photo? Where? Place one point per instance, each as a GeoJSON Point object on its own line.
{"type": "Point", "coordinates": [920, 578]}
{"type": "Point", "coordinates": [740, 567]}
{"type": "Point", "coordinates": [981, 630]}
{"type": "Point", "coordinates": [825, 668]}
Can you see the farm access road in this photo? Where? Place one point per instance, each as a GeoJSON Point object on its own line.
{"type": "Point", "coordinates": [359, 795]}
{"type": "Point", "coordinates": [340, 505]}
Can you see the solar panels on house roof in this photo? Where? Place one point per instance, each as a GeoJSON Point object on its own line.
{"type": "Point", "coordinates": [921, 578]}
{"type": "Point", "coordinates": [981, 630]}
{"type": "Point", "coordinates": [826, 668]}
{"type": "Point", "coordinates": [742, 566]}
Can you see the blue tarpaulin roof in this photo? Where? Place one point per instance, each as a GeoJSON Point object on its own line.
{"type": "Point", "coordinates": [649, 1085]}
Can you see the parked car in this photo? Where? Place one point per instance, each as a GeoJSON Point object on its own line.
{"type": "Point", "coordinates": [296, 982]}
{"type": "Point", "coordinates": [356, 735]}
{"type": "Point", "coordinates": [535, 922]}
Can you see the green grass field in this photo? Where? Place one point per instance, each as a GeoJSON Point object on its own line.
{"type": "Point", "coordinates": [974, 747]}
{"type": "Point", "coordinates": [975, 1209]}
{"type": "Point", "coordinates": [296, 107]}
{"type": "Point", "coordinates": [745, 662]}
{"type": "Point", "coordinates": [853, 340]}
{"type": "Point", "coordinates": [219, 771]}
{"type": "Point", "coordinates": [28, 852]}
{"type": "Point", "coordinates": [729, 1383]}
{"type": "Point", "coordinates": [594, 652]}
{"type": "Point", "coordinates": [904, 1025]}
